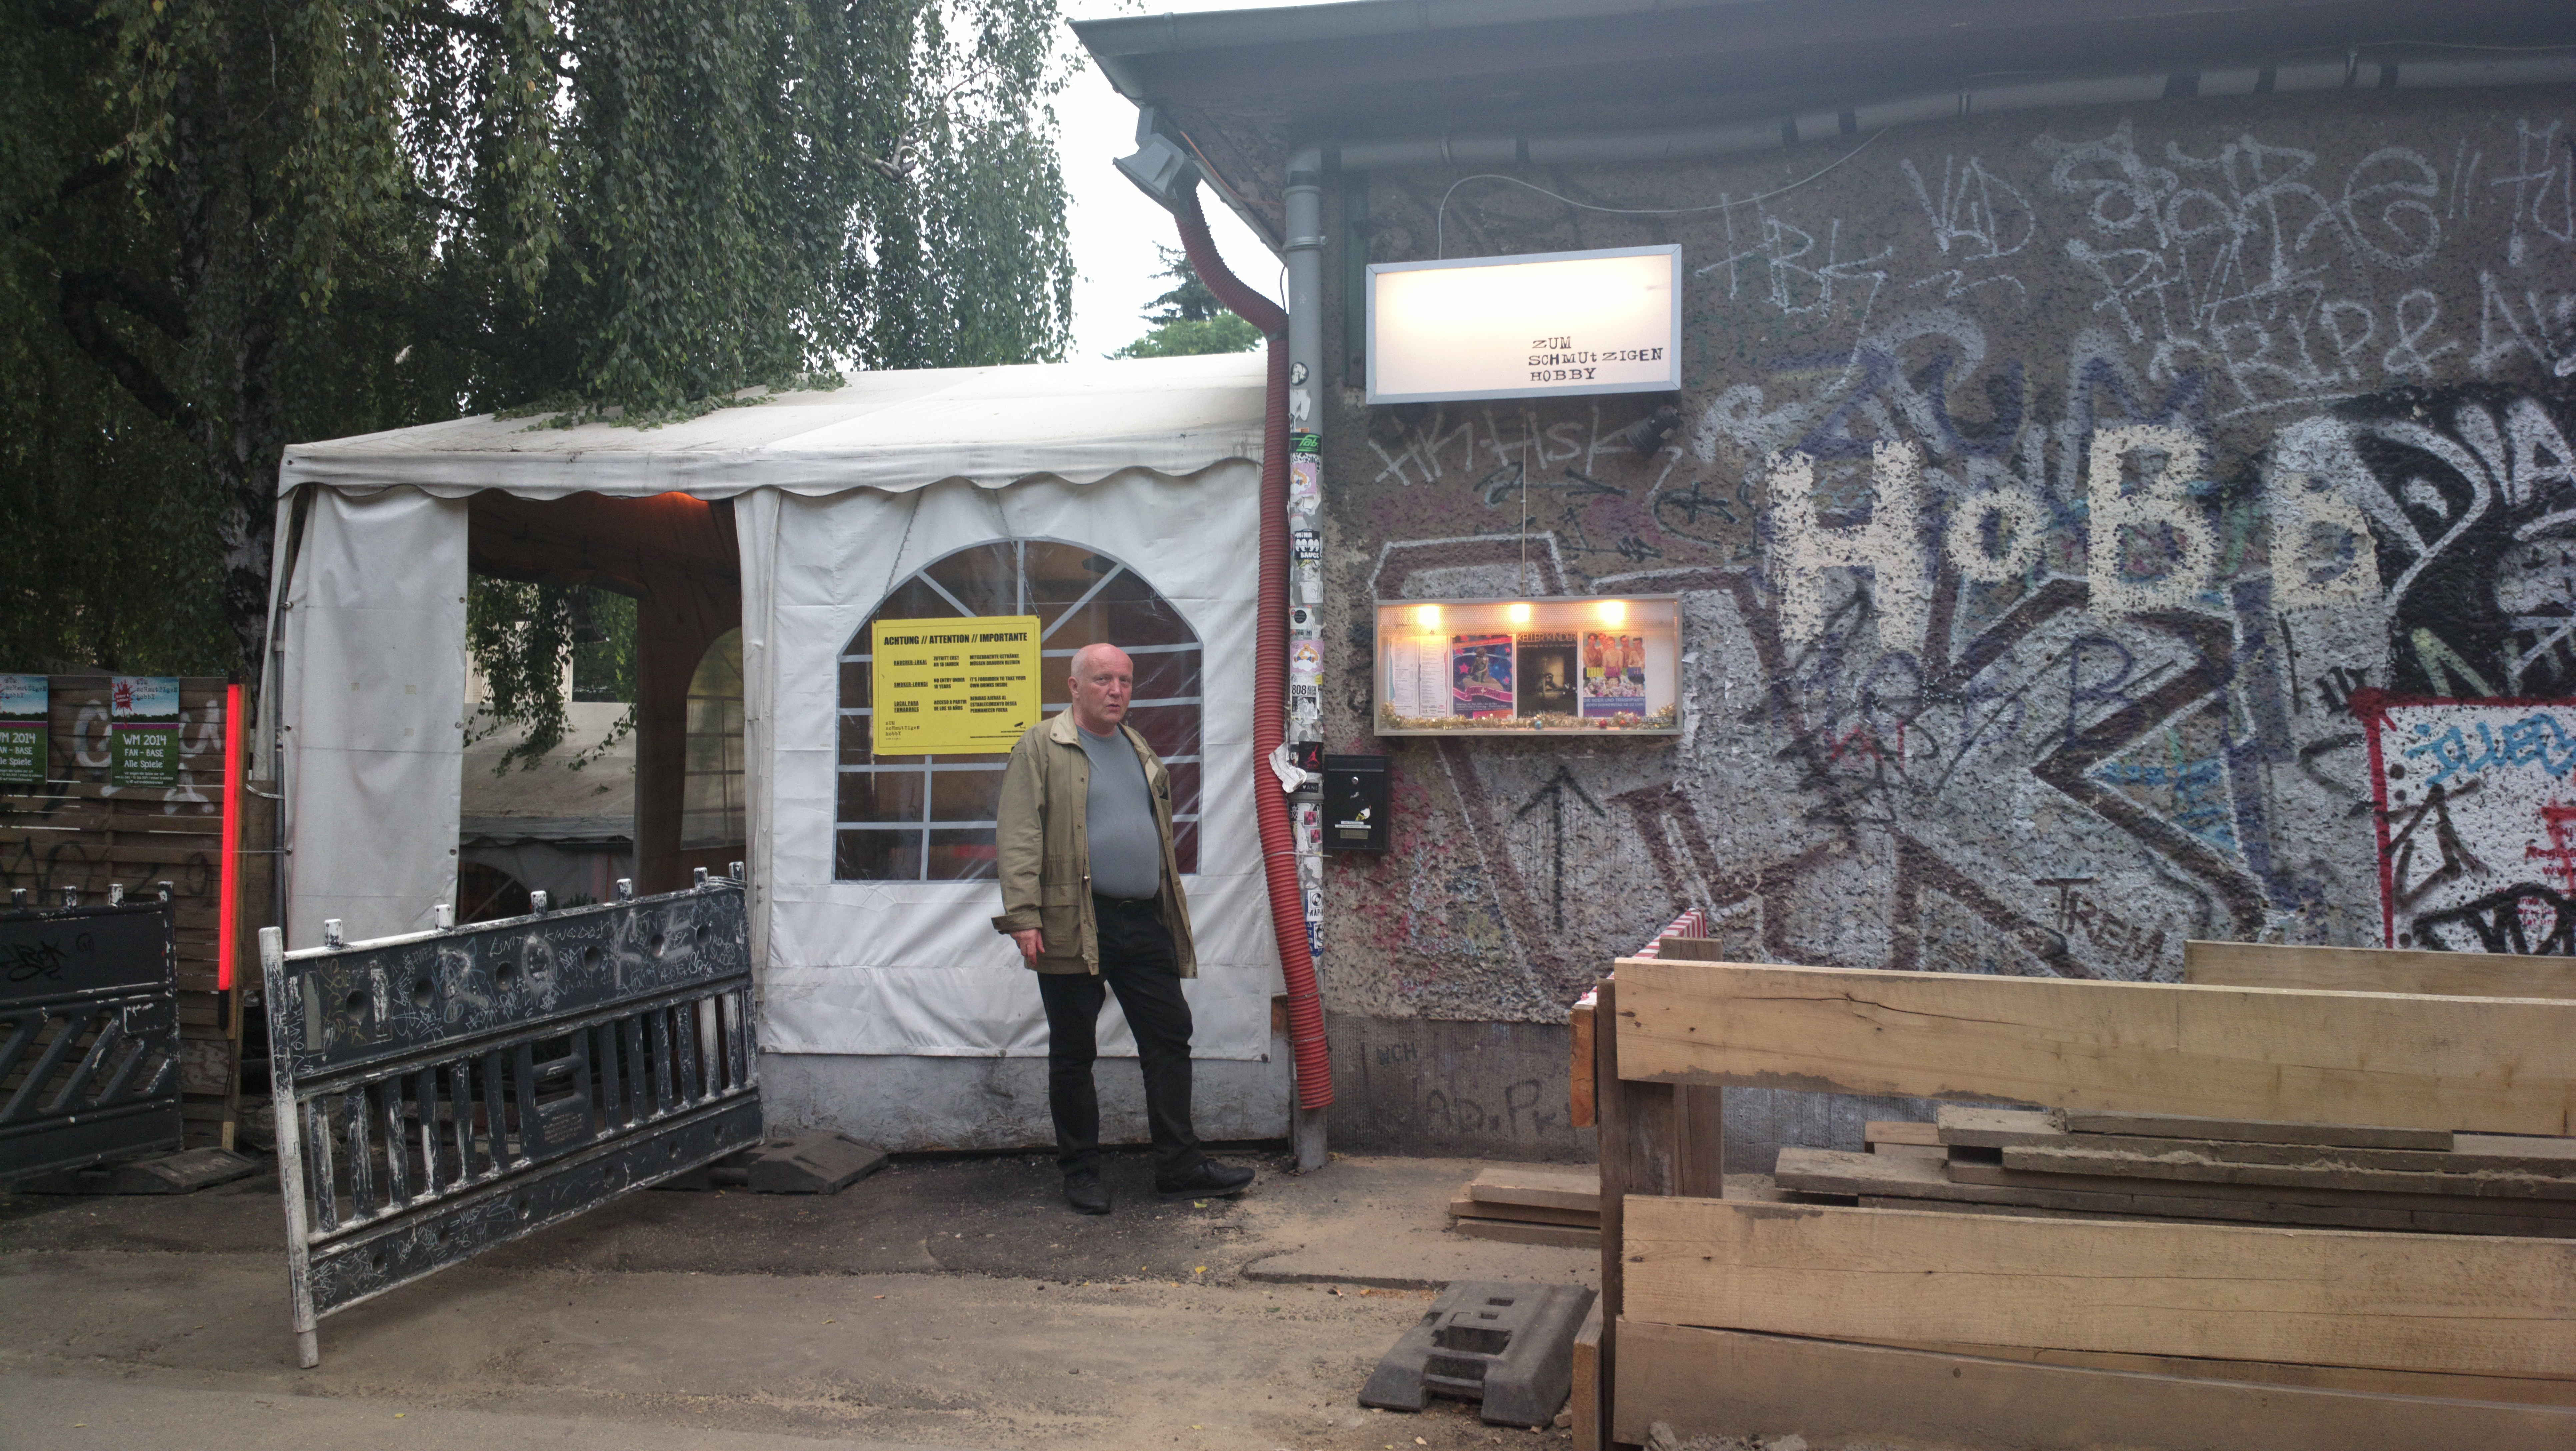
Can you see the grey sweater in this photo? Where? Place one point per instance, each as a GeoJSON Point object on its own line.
{"type": "Point", "coordinates": [1126, 845]}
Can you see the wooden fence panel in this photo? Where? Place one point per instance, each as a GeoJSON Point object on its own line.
{"type": "Point", "coordinates": [1836, 1396]}
{"type": "Point", "coordinates": [2484, 1064]}
{"type": "Point", "coordinates": [2438, 1303]}
{"type": "Point", "coordinates": [76, 830]}
{"type": "Point", "coordinates": [2378, 970]}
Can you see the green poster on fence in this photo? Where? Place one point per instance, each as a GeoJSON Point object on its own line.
{"type": "Point", "coordinates": [25, 706]}
{"type": "Point", "coordinates": [143, 721]}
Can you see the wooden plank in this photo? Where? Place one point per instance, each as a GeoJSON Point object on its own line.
{"type": "Point", "coordinates": [1840, 1397]}
{"type": "Point", "coordinates": [2315, 1296]}
{"type": "Point", "coordinates": [169, 853]}
{"type": "Point", "coordinates": [1579, 1078]}
{"type": "Point", "coordinates": [1947, 1206]}
{"type": "Point", "coordinates": [145, 811]}
{"type": "Point", "coordinates": [2489, 1064]}
{"type": "Point", "coordinates": [1585, 1402]}
{"type": "Point", "coordinates": [1921, 1185]}
{"type": "Point", "coordinates": [1996, 1174]}
{"type": "Point", "coordinates": [2378, 970]}
{"type": "Point", "coordinates": [209, 1065]}
{"type": "Point", "coordinates": [1464, 1208]}
{"type": "Point", "coordinates": [1626, 1168]}
{"type": "Point", "coordinates": [1510, 1231]}
{"type": "Point", "coordinates": [1578, 1189]}
{"type": "Point", "coordinates": [2182, 1126]}
{"type": "Point", "coordinates": [1691, 949]}
{"type": "Point", "coordinates": [2208, 1167]}
{"type": "Point", "coordinates": [2473, 1154]}
{"type": "Point", "coordinates": [2499, 1224]}
{"type": "Point", "coordinates": [1699, 1141]}
{"type": "Point", "coordinates": [1897, 1131]}
{"type": "Point", "coordinates": [95, 788]}
{"type": "Point", "coordinates": [2509, 1389]}
{"type": "Point", "coordinates": [1756, 1187]}
{"type": "Point", "coordinates": [62, 816]}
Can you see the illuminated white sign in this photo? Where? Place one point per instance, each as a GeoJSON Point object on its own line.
{"type": "Point", "coordinates": [1549, 324]}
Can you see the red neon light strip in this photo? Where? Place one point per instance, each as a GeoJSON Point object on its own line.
{"type": "Point", "coordinates": [227, 916]}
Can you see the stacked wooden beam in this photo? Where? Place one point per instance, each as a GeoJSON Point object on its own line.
{"type": "Point", "coordinates": [1528, 1204]}
{"type": "Point", "coordinates": [2154, 1166]}
{"type": "Point", "coordinates": [2195, 1251]}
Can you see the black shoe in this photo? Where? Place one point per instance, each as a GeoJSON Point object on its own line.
{"type": "Point", "coordinates": [1086, 1193]}
{"type": "Point", "coordinates": [1209, 1180]}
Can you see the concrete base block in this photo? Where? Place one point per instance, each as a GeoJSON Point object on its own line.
{"type": "Point", "coordinates": [814, 1162]}
{"type": "Point", "coordinates": [917, 1105]}
{"type": "Point", "coordinates": [1506, 1344]}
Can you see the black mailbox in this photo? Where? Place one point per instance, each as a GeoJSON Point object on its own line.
{"type": "Point", "coordinates": [1355, 803]}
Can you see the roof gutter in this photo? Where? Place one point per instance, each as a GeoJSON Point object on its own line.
{"type": "Point", "coordinates": [1677, 143]}
{"type": "Point", "coordinates": [1112, 40]}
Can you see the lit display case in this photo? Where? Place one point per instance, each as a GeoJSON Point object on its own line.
{"type": "Point", "coordinates": [1593, 666]}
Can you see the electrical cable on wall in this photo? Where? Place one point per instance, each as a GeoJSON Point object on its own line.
{"type": "Point", "coordinates": [1523, 580]}
{"type": "Point", "coordinates": [1440, 219]}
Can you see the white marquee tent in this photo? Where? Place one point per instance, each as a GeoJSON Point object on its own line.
{"type": "Point", "coordinates": [838, 497]}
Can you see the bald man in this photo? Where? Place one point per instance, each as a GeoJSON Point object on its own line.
{"type": "Point", "coordinates": [1092, 898]}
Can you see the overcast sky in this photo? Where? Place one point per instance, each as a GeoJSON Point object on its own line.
{"type": "Point", "coordinates": [1114, 226]}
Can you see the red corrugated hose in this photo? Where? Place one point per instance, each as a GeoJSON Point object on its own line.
{"type": "Point", "coordinates": [1270, 665]}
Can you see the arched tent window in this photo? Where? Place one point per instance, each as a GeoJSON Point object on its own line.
{"type": "Point", "coordinates": [711, 793]}
{"type": "Point", "coordinates": [924, 818]}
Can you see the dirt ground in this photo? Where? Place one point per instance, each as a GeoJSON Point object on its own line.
{"type": "Point", "coordinates": [947, 1303]}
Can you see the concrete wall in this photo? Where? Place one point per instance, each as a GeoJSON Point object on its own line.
{"type": "Point", "coordinates": [1452, 1089]}
{"type": "Point", "coordinates": [2058, 495]}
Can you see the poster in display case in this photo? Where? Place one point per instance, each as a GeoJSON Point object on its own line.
{"type": "Point", "coordinates": [1584, 666]}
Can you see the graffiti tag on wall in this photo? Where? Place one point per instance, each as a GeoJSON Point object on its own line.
{"type": "Point", "coordinates": [2476, 805]}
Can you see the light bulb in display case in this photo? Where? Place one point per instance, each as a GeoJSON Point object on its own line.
{"type": "Point", "coordinates": [1614, 612]}
{"type": "Point", "coordinates": [1520, 614]}
{"type": "Point", "coordinates": [1427, 616]}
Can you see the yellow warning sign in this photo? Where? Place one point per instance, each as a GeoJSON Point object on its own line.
{"type": "Point", "coordinates": [958, 686]}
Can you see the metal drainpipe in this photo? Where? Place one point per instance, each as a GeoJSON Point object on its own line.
{"type": "Point", "coordinates": [1305, 254]}
{"type": "Point", "coordinates": [1290, 919]}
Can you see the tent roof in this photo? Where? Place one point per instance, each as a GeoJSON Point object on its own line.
{"type": "Point", "coordinates": [894, 431]}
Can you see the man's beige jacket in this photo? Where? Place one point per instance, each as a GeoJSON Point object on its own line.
{"type": "Point", "coordinates": [1045, 856]}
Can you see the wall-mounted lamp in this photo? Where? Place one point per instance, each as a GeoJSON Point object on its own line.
{"type": "Point", "coordinates": [1647, 434]}
{"type": "Point", "coordinates": [1160, 168]}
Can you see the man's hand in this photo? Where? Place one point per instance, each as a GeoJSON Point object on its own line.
{"type": "Point", "coordinates": [1030, 943]}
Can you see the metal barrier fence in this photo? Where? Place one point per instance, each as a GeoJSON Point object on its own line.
{"type": "Point", "coordinates": [89, 1036]}
{"type": "Point", "coordinates": [447, 1092]}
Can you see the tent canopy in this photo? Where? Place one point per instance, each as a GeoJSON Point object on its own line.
{"type": "Point", "coordinates": [892, 431]}
{"type": "Point", "coordinates": [838, 498]}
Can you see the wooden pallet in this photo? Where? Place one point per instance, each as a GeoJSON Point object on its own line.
{"type": "Point", "coordinates": [2111, 1305]}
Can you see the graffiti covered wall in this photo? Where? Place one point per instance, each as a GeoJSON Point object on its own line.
{"type": "Point", "coordinates": [2065, 505]}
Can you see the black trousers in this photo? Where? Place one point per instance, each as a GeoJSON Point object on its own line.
{"type": "Point", "coordinates": [1138, 963]}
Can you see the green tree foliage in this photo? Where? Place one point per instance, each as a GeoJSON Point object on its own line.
{"type": "Point", "coordinates": [1189, 319]}
{"type": "Point", "coordinates": [225, 224]}
{"type": "Point", "coordinates": [523, 637]}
